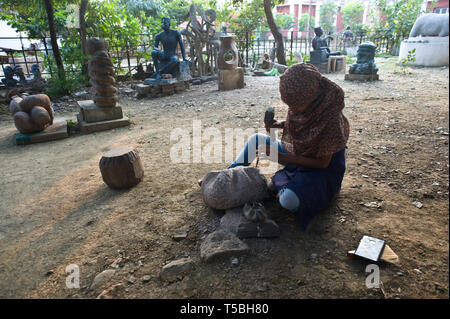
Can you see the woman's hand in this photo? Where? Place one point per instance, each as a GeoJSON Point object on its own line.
{"type": "Point", "coordinates": [274, 124]}
{"type": "Point", "coordinates": [263, 152]}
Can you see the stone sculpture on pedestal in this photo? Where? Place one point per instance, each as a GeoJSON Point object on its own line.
{"type": "Point", "coordinates": [230, 75]}
{"type": "Point", "coordinates": [430, 38]}
{"type": "Point", "coordinates": [101, 113]}
{"type": "Point", "coordinates": [364, 69]}
{"type": "Point", "coordinates": [319, 56]}
{"type": "Point", "coordinates": [31, 114]}
{"type": "Point", "coordinates": [34, 119]}
{"type": "Point", "coordinates": [167, 62]}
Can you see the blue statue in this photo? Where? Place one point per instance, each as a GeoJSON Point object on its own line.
{"type": "Point", "coordinates": [164, 61]}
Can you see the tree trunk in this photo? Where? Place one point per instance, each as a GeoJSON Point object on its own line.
{"type": "Point", "coordinates": [83, 8]}
{"type": "Point", "coordinates": [281, 57]}
{"type": "Point", "coordinates": [55, 48]}
{"type": "Point", "coordinates": [308, 27]}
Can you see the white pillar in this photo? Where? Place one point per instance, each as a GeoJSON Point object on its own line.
{"type": "Point", "coordinates": [366, 11]}
{"type": "Point", "coordinates": [317, 14]}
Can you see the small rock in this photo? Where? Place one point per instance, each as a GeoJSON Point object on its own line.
{"type": "Point", "coordinates": [235, 222]}
{"type": "Point", "coordinates": [176, 269]}
{"type": "Point", "coordinates": [179, 236]}
{"type": "Point", "coordinates": [418, 204]}
{"type": "Point", "coordinates": [372, 205]}
{"type": "Point", "coordinates": [111, 290]}
{"type": "Point", "coordinates": [313, 256]}
{"type": "Point", "coordinates": [102, 278]}
{"type": "Point", "coordinates": [116, 262]}
{"type": "Point", "coordinates": [234, 261]}
{"type": "Point", "coordinates": [417, 271]}
{"type": "Point", "coordinates": [146, 278]}
{"type": "Point", "coordinates": [132, 279]}
{"type": "Point", "coordinates": [221, 243]}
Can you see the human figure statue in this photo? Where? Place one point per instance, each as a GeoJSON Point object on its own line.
{"type": "Point", "coordinates": [365, 60]}
{"type": "Point", "coordinates": [169, 38]}
{"type": "Point", "coordinates": [320, 43]}
{"type": "Point", "coordinates": [348, 37]}
{"type": "Point", "coordinates": [9, 81]}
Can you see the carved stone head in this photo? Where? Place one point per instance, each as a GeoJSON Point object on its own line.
{"type": "Point", "coordinates": [165, 23]}
{"type": "Point", "coordinates": [96, 44]}
{"type": "Point", "coordinates": [366, 52]}
{"type": "Point", "coordinates": [318, 31]}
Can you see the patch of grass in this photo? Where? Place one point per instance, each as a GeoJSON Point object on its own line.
{"type": "Point", "coordinates": [383, 55]}
{"type": "Point", "coordinates": [59, 88]}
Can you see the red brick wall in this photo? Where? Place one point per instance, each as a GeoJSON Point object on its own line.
{"type": "Point", "coordinates": [339, 25]}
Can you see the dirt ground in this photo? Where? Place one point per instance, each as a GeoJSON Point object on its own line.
{"type": "Point", "coordinates": [55, 209]}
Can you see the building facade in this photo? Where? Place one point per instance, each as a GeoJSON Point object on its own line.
{"type": "Point", "coordinates": [312, 7]}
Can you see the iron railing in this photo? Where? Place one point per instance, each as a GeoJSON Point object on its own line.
{"type": "Point", "coordinates": [251, 46]}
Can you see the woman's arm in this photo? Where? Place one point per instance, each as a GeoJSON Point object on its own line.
{"type": "Point", "coordinates": [275, 124]}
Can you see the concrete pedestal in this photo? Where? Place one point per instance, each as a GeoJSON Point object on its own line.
{"type": "Point", "coordinates": [56, 131]}
{"type": "Point", "coordinates": [231, 79]}
{"type": "Point", "coordinates": [90, 112]}
{"type": "Point", "coordinates": [361, 77]}
{"type": "Point", "coordinates": [94, 119]}
{"type": "Point", "coordinates": [430, 51]}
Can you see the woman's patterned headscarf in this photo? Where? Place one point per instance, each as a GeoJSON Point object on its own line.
{"type": "Point", "coordinates": [315, 126]}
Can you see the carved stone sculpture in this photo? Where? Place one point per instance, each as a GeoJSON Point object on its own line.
{"type": "Point", "coordinates": [203, 40]}
{"type": "Point", "coordinates": [365, 60]}
{"type": "Point", "coordinates": [428, 41]}
{"type": "Point", "coordinates": [101, 73]}
{"type": "Point", "coordinates": [9, 81]}
{"type": "Point", "coordinates": [228, 53]}
{"type": "Point", "coordinates": [32, 113]}
{"type": "Point", "coordinates": [430, 25]}
{"type": "Point", "coordinates": [320, 43]}
{"type": "Point", "coordinates": [101, 113]}
{"type": "Point", "coordinates": [164, 61]}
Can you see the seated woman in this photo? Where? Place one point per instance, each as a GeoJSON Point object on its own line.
{"type": "Point", "coordinates": [312, 147]}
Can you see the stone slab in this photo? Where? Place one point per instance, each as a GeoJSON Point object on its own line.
{"type": "Point", "coordinates": [87, 128]}
{"type": "Point", "coordinates": [176, 269]}
{"type": "Point", "coordinates": [361, 77]}
{"type": "Point", "coordinates": [235, 222]}
{"type": "Point", "coordinates": [231, 79]}
{"type": "Point", "coordinates": [91, 113]}
{"type": "Point", "coordinates": [143, 89]}
{"type": "Point", "coordinates": [56, 131]}
{"type": "Point", "coordinates": [222, 244]}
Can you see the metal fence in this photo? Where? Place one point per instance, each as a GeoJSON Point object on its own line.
{"type": "Point", "coordinates": [252, 47]}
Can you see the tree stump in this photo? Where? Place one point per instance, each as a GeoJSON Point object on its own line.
{"type": "Point", "coordinates": [121, 167]}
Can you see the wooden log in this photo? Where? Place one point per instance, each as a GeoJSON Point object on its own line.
{"type": "Point", "coordinates": [121, 167]}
